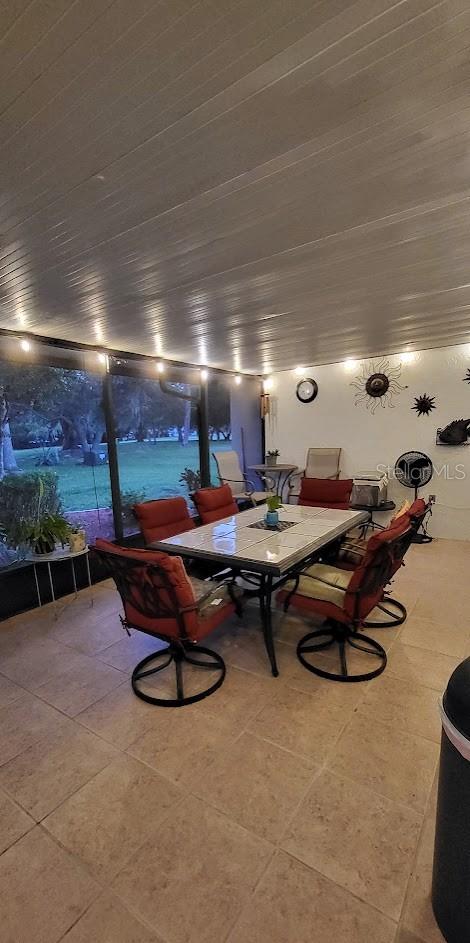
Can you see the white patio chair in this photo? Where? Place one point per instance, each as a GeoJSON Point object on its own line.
{"type": "Point", "coordinates": [230, 473]}
{"type": "Point", "coordinates": [320, 463]}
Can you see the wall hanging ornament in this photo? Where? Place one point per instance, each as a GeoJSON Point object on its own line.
{"type": "Point", "coordinates": [455, 433]}
{"type": "Point", "coordinates": [377, 384]}
{"type": "Point", "coordinates": [424, 404]}
{"type": "Point", "coordinates": [466, 379]}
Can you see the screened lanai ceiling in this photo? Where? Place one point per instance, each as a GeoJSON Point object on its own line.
{"type": "Point", "coordinates": [251, 184]}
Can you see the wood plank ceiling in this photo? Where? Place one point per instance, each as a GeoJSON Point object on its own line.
{"type": "Point", "coordinates": [249, 184]}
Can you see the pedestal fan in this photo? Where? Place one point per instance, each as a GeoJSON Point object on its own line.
{"type": "Point", "coordinates": [414, 470]}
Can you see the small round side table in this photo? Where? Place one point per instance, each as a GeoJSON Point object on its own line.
{"type": "Point", "coordinates": [58, 556]}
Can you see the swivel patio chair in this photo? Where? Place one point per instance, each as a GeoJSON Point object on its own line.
{"type": "Point", "coordinates": [159, 599]}
{"type": "Point", "coordinates": [321, 492]}
{"type": "Point", "coordinates": [163, 518]}
{"type": "Point", "coordinates": [352, 552]}
{"type": "Point", "coordinates": [345, 599]}
{"type": "Point", "coordinates": [319, 463]}
{"type": "Point", "coordinates": [213, 504]}
{"type": "Point", "coordinates": [230, 473]}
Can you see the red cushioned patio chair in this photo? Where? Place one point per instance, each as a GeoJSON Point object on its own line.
{"type": "Point", "coordinates": [345, 599]}
{"type": "Point", "coordinates": [325, 493]}
{"type": "Point", "coordinates": [213, 504]}
{"type": "Point", "coordinates": [163, 518]}
{"type": "Point", "coordinates": [160, 599]}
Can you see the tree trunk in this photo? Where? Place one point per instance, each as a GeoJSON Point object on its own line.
{"type": "Point", "coordinates": [186, 421]}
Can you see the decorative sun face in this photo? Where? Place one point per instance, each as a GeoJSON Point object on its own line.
{"type": "Point", "coordinates": [377, 383]}
{"type": "Point", "coordinates": [424, 404]}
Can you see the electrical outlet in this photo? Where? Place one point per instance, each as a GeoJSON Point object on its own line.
{"type": "Point", "coordinates": [432, 499]}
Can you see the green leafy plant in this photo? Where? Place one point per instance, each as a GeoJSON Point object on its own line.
{"type": "Point", "coordinates": [273, 502]}
{"type": "Point", "coordinates": [128, 499]}
{"type": "Point", "coordinates": [191, 478]}
{"type": "Point", "coordinates": [25, 497]}
{"type": "Point", "coordinates": [273, 453]}
{"type": "Point", "coordinates": [43, 533]}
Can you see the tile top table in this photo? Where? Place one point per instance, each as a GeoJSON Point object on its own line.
{"type": "Point", "coordinates": [236, 543]}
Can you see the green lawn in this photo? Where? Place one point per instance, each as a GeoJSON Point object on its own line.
{"type": "Point", "coordinates": [151, 467]}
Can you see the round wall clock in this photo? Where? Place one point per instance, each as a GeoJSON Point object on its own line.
{"type": "Point", "coordinates": [307, 390]}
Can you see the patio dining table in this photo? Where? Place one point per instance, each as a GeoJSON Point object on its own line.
{"type": "Point", "coordinates": [242, 543]}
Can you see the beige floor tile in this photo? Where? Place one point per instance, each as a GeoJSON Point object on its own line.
{"type": "Point", "coordinates": [358, 839]}
{"type": "Point", "coordinates": [181, 743]}
{"type": "Point", "coordinates": [293, 904]}
{"type": "Point", "coordinates": [119, 717]}
{"type": "Point", "coordinates": [89, 633]}
{"type": "Point", "coordinates": [394, 763]}
{"type": "Point", "coordinates": [447, 606]}
{"type": "Point", "coordinates": [31, 662]}
{"type": "Point", "coordinates": [326, 693]}
{"type": "Point", "coordinates": [109, 818]}
{"type": "Point", "coordinates": [9, 692]}
{"type": "Point", "coordinates": [407, 590]}
{"type": "Point", "coordinates": [414, 708]}
{"type": "Point", "coordinates": [128, 651]}
{"type": "Point", "coordinates": [417, 914]}
{"type": "Point", "coordinates": [193, 882]}
{"type": "Point", "coordinates": [44, 890]}
{"type": "Point", "coordinates": [107, 921]}
{"type": "Point", "coordinates": [300, 723]}
{"type": "Point", "coordinates": [257, 784]}
{"type": "Point", "coordinates": [245, 649]}
{"type": "Point", "coordinates": [13, 822]}
{"type": "Point", "coordinates": [54, 768]}
{"type": "Point", "coordinates": [241, 697]}
{"type": "Point", "coordinates": [405, 936]}
{"type": "Point", "coordinates": [419, 665]}
{"type": "Point", "coordinates": [25, 722]}
{"type": "Point", "coordinates": [447, 638]}
{"type": "Point", "coordinates": [74, 690]}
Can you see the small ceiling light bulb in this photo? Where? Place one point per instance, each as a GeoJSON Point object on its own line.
{"type": "Point", "coordinates": [350, 364]}
{"type": "Point", "coordinates": [267, 384]}
{"type": "Point", "coordinates": [101, 358]}
{"type": "Point", "coordinates": [160, 367]}
{"type": "Point", "coordinates": [25, 345]}
{"type": "Point", "coordinates": [238, 380]}
{"type": "Point", "coordinates": [204, 374]}
{"type": "Point", "coordinates": [299, 371]}
{"type": "Point", "coordinates": [408, 356]}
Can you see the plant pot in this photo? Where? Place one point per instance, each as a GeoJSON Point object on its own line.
{"type": "Point", "coordinates": [272, 518]}
{"type": "Point", "coordinates": [77, 542]}
{"type": "Point", "coordinates": [41, 546]}
{"type": "Point", "coordinates": [271, 460]}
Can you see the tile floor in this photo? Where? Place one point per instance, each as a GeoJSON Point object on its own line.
{"type": "Point", "coordinates": [287, 810]}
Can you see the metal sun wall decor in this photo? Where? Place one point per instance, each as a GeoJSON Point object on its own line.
{"type": "Point", "coordinates": [466, 379]}
{"type": "Point", "coordinates": [455, 433]}
{"type": "Point", "coordinates": [377, 383]}
{"type": "Point", "coordinates": [424, 404]}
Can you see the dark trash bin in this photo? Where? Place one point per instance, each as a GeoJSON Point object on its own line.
{"type": "Point", "coordinates": [451, 869]}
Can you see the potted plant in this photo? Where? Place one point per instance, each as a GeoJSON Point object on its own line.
{"type": "Point", "coordinates": [272, 457]}
{"type": "Point", "coordinates": [77, 539]}
{"type": "Point", "coordinates": [41, 534]}
{"type": "Point", "coordinates": [273, 503]}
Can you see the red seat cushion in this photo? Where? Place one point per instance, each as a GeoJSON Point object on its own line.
{"type": "Point", "coordinates": [213, 504]}
{"type": "Point", "coordinates": [326, 493]}
{"type": "Point", "coordinates": [163, 518]}
{"type": "Point", "coordinates": [146, 588]}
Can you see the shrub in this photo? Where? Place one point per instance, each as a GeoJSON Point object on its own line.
{"type": "Point", "coordinates": [191, 478]}
{"type": "Point", "coordinates": [128, 499]}
{"type": "Point", "coordinates": [25, 495]}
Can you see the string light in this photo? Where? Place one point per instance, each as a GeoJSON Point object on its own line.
{"type": "Point", "coordinates": [299, 371]}
{"type": "Point", "coordinates": [25, 345]}
{"type": "Point", "coordinates": [408, 357]}
{"type": "Point", "coordinates": [350, 364]}
{"type": "Point", "coordinates": [267, 384]}
{"type": "Point", "coordinates": [204, 374]}
{"type": "Point", "coordinates": [160, 367]}
{"type": "Point", "coordinates": [238, 380]}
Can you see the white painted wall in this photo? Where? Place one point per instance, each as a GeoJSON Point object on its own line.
{"type": "Point", "coordinates": [368, 440]}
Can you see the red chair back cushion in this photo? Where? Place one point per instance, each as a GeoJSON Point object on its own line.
{"type": "Point", "coordinates": [163, 518]}
{"type": "Point", "coordinates": [382, 557]}
{"type": "Point", "coordinates": [326, 493]}
{"type": "Point", "coordinates": [215, 503]}
{"type": "Point", "coordinates": [147, 592]}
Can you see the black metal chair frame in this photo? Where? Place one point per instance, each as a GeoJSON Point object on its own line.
{"type": "Point", "coordinates": [147, 596]}
{"type": "Point", "coordinates": [341, 634]}
{"type": "Point", "coordinates": [398, 613]}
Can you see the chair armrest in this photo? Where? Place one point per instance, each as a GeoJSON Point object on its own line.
{"type": "Point", "coordinates": [300, 473]}
{"type": "Point", "coordinates": [235, 481]}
